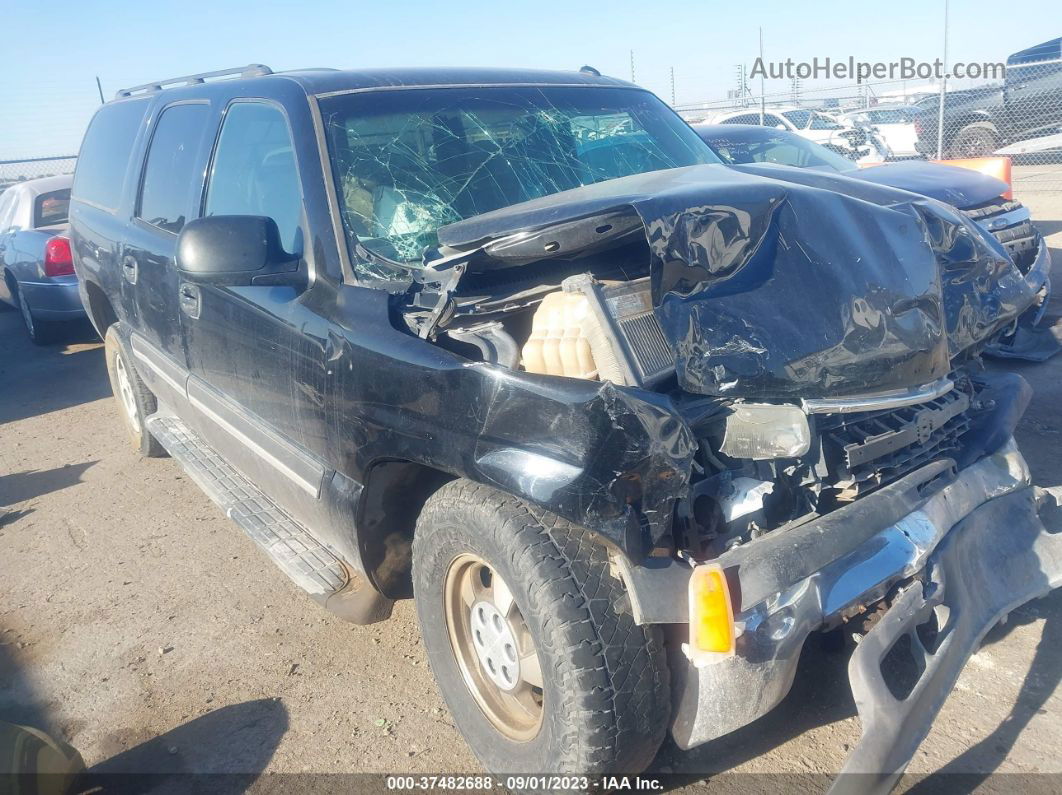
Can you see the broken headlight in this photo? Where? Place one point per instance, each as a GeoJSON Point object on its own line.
{"type": "Point", "coordinates": [762, 430]}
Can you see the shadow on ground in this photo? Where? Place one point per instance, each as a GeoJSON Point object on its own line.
{"type": "Point", "coordinates": [21, 486]}
{"type": "Point", "coordinates": [49, 377]}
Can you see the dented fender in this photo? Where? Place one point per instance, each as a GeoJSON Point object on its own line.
{"type": "Point", "coordinates": [611, 459]}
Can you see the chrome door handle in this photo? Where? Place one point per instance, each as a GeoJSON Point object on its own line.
{"type": "Point", "coordinates": [189, 298]}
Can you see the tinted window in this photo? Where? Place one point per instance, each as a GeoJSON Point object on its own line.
{"type": "Point", "coordinates": [101, 165]}
{"type": "Point", "coordinates": [254, 170]}
{"type": "Point", "coordinates": [800, 118]}
{"type": "Point", "coordinates": [170, 181]}
{"type": "Point", "coordinates": [774, 146]}
{"type": "Point", "coordinates": [820, 122]}
{"type": "Point", "coordinates": [51, 208]}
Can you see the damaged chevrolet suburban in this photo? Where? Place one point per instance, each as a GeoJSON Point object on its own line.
{"type": "Point", "coordinates": [627, 424]}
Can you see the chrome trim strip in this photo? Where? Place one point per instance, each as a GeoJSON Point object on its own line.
{"type": "Point", "coordinates": [314, 489]}
{"type": "Point", "coordinates": [894, 399]}
{"type": "Point", "coordinates": [995, 223]}
{"type": "Point", "coordinates": [145, 352]}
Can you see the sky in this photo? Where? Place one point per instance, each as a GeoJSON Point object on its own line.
{"type": "Point", "coordinates": [52, 52]}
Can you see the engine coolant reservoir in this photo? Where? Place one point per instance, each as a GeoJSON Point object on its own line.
{"type": "Point", "coordinates": [568, 338]}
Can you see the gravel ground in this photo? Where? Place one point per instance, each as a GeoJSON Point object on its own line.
{"type": "Point", "coordinates": [140, 625]}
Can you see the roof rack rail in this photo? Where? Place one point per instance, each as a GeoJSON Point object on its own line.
{"type": "Point", "coordinates": [251, 70]}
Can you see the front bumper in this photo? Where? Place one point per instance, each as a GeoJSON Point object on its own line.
{"type": "Point", "coordinates": [1026, 339]}
{"type": "Point", "coordinates": [57, 299]}
{"type": "Point", "coordinates": [970, 540]}
{"type": "Point", "coordinates": [816, 575]}
{"type": "Point", "coordinates": [997, 558]}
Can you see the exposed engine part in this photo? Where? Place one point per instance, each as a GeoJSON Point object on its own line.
{"type": "Point", "coordinates": [603, 330]}
{"type": "Point", "coordinates": [567, 338]}
{"type": "Point", "coordinates": [494, 342]}
{"type": "Point", "coordinates": [742, 497]}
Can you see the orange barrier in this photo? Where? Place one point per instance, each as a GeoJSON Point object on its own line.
{"type": "Point", "coordinates": [998, 167]}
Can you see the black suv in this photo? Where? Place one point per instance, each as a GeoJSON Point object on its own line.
{"type": "Point", "coordinates": [628, 425]}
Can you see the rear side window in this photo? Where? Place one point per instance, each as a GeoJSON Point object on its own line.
{"type": "Point", "coordinates": [101, 165]}
{"type": "Point", "coordinates": [170, 180]}
{"type": "Point", "coordinates": [51, 208]}
{"type": "Point", "coordinates": [254, 170]}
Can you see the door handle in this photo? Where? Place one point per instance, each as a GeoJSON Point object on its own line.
{"type": "Point", "coordinates": [130, 268]}
{"type": "Point", "coordinates": [189, 298]}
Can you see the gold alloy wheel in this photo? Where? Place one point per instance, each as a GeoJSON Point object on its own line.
{"type": "Point", "coordinates": [493, 647]}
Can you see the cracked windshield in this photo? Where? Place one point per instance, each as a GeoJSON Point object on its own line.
{"type": "Point", "coordinates": [407, 163]}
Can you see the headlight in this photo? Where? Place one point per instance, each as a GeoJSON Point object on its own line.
{"type": "Point", "coordinates": [762, 430]}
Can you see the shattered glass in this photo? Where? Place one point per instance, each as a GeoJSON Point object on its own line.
{"type": "Point", "coordinates": [408, 162]}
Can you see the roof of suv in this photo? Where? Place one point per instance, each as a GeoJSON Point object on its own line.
{"type": "Point", "coordinates": [330, 81]}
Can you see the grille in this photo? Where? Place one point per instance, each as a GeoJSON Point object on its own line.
{"type": "Point", "coordinates": [1009, 223]}
{"type": "Point", "coordinates": [869, 449]}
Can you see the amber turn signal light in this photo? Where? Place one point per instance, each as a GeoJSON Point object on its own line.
{"type": "Point", "coordinates": [711, 615]}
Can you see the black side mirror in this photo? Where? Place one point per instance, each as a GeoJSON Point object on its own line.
{"type": "Point", "coordinates": [235, 250]}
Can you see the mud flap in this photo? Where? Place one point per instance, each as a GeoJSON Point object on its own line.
{"type": "Point", "coordinates": [999, 557]}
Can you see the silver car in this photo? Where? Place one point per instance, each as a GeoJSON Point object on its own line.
{"type": "Point", "coordinates": [38, 270]}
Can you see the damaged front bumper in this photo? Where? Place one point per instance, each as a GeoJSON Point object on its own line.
{"type": "Point", "coordinates": [970, 541]}
{"type": "Point", "coordinates": [1026, 339]}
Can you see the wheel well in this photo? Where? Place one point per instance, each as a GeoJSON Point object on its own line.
{"type": "Point", "coordinates": [395, 492]}
{"type": "Point", "coordinates": [100, 311]}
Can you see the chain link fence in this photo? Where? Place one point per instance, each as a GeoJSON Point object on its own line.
{"type": "Point", "coordinates": [12, 171]}
{"type": "Point", "coordinates": [1019, 117]}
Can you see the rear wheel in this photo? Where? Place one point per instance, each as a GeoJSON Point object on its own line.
{"type": "Point", "coordinates": [975, 140]}
{"type": "Point", "coordinates": [40, 332]}
{"type": "Point", "coordinates": [530, 640]}
{"type": "Point", "coordinates": [135, 401]}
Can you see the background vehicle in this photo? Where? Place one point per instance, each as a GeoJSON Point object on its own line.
{"type": "Point", "coordinates": [979, 121]}
{"type": "Point", "coordinates": [978, 196]}
{"type": "Point", "coordinates": [894, 123]}
{"type": "Point", "coordinates": [401, 325]}
{"type": "Point", "coordinates": [858, 144]}
{"type": "Point", "coordinates": [38, 271]}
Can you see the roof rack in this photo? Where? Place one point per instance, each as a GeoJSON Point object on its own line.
{"type": "Point", "coordinates": [251, 70]}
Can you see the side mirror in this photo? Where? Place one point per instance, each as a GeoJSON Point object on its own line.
{"type": "Point", "coordinates": [235, 250]}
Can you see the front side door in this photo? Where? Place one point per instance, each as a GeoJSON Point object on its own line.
{"type": "Point", "coordinates": [170, 184]}
{"type": "Point", "coordinates": [257, 354]}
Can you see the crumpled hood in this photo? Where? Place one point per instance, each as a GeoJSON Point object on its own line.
{"type": "Point", "coordinates": [772, 282]}
{"type": "Point", "coordinates": [959, 187]}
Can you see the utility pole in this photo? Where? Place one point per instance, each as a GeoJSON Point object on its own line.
{"type": "Point", "coordinates": [763, 100]}
{"type": "Point", "coordinates": [632, 66]}
{"type": "Point", "coordinates": [99, 87]}
{"type": "Point", "coordinates": [943, 89]}
{"type": "Point", "coordinates": [672, 86]}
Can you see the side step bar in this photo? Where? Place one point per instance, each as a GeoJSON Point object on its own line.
{"type": "Point", "coordinates": [310, 564]}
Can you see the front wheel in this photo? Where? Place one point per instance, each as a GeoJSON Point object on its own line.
{"type": "Point", "coordinates": [531, 640]}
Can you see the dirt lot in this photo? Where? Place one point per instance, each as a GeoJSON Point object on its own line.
{"type": "Point", "coordinates": [145, 629]}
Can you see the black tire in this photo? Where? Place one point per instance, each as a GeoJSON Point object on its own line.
{"type": "Point", "coordinates": [605, 681]}
{"type": "Point", "coordinates": [41, 332]}
{"type": "Point", "coordinates": [143, 403]}
{"type": "Point", "coordinates": [979, 139]}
